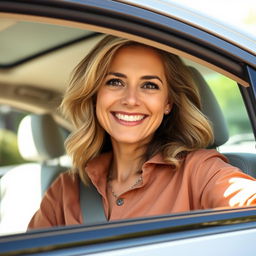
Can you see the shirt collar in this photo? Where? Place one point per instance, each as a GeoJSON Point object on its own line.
{"type": "Point", "coordinates": [156, 159]}
{"type": "Point", "coordinates": [98, 168]}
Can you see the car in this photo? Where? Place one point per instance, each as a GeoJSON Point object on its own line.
{"type": "Point", "coordinates": [41, 42]}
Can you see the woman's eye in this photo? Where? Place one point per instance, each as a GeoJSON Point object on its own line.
{"type": "Point", "coordinates": [150, 85]}
{"type": "Point", "coordinates": [114, 82]}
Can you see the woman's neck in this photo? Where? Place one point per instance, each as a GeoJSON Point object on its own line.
{"type": "Point", "coordinates": [127, 162]}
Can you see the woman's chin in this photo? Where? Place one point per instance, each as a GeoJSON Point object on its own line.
{"type": "Point", "coordinates": [130, 141]}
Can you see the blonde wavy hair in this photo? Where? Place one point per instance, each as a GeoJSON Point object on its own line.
{"type": "Point", "coordinates": [184, 130]}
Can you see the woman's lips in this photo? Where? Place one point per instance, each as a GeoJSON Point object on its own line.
{"type": "Point", "coordinates": [129, 118]}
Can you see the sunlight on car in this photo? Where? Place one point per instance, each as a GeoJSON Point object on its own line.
{"type": "Point", "coordinates": [239, 191]}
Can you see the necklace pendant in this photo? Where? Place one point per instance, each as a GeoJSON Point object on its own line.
{"type": "Point", "coordinates": [120, 201]}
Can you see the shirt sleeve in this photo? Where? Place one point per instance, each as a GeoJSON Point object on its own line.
{"type": "Point", "coordinates": [216, 183]}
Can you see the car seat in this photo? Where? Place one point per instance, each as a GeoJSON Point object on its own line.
{"type": "Point", "coordinates": [210, 107]}
{"type": "Point", "coordinates": [22, 187]}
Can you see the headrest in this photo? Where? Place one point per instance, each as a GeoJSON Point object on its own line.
{"type": "Point", "coordinates": [211, 109]}
{"type": "Point", "coordinates": [40, 138]}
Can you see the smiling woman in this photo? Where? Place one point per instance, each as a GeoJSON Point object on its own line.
{"type": "Point", "coordinates": [141, 104]}
{"type": "Point", "coordinates": [95, 70]}
{"type": "Point", "coordinates": [161, 174]}
{"type": "Point", "coordinates": [134, 97]}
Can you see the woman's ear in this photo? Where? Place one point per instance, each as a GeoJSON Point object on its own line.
{"type": "Point", "coordinates": [168, 108]}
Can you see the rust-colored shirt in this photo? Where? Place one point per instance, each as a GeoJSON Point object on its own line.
{"type": "Point", "coordinates": [199, 183]}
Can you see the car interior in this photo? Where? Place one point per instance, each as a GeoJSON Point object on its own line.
{"type": "Point", "coordinates": [39, 141]}
{"type": "Point", "coordinates": [35, 69]}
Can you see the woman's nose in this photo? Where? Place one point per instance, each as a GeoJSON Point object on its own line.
{"type": "Point", "coordinates": [131, 97]}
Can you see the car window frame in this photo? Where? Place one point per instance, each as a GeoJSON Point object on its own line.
{"type": "Point", "coordinates": [115, 235]}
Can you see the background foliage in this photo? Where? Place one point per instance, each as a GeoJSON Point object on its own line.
{"type": "Point", "coordinates": [230, 100]}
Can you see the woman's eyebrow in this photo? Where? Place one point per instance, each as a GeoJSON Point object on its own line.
{"type": "Point", "coordinates": [152, 77]}
{"type": "Point", "coordinates": [117, 74]}
{"type": "Point", "coordinates": [149, 77]}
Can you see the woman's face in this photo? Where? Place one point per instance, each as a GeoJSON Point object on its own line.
{"type": "Point", "coordinates": [133, 98]}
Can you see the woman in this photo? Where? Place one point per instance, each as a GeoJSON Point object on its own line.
{"type": "Point", "coordinates": [140, 139]}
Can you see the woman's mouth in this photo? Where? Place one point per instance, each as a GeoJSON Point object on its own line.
{"type": "Point", "coordinates": [129, 118]}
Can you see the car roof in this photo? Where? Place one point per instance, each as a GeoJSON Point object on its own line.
{"type": "Point", "coordinates": [34, 39]}
{"type": "Point", "coordinates": [198, 19]}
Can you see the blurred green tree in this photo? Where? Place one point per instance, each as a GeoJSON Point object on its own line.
{"type": "Point", "coordinates": [231, 102]}
{"type": "Point", "coordinates": [9, 153]}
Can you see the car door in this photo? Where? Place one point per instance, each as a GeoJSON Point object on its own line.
{"type": "Point", "coordinates": [229, 231]}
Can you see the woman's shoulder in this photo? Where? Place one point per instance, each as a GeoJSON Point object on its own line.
{"type": "Point", "coordinates": [205, 159]}
{"type": "Point", "coordinates": [205, 154]}
{"type": "Point", "coordinates": [64, 180]}
{"type": "Point", "coordinates": [203, 164]}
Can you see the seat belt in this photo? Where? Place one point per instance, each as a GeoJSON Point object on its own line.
{"type": "Point", "coordinates": [91, 205]}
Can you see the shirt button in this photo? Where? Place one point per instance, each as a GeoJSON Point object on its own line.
{"type": "Point", "coordinates": [120, 201]}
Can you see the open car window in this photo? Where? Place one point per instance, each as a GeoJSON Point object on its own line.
{"type": "Point", "coordinates": [33, 80]}
{"type": "Point", "coordinates": [230, 99]}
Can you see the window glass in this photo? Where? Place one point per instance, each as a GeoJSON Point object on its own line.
{"type": "Point", "coordinates": [241, 138]}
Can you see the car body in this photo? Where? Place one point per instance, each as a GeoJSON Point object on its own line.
{"type": "Point", "coordinates": [42, 41]}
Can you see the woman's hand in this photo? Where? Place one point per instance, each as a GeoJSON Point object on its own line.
{"type": "Point", "coordinates": [242, 192]}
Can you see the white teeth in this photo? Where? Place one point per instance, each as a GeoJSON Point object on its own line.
{"type": "Point", "coordinates": [129, 118]}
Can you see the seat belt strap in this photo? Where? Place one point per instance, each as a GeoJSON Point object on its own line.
{"type": "Point", "coordinates": [91, 205]}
